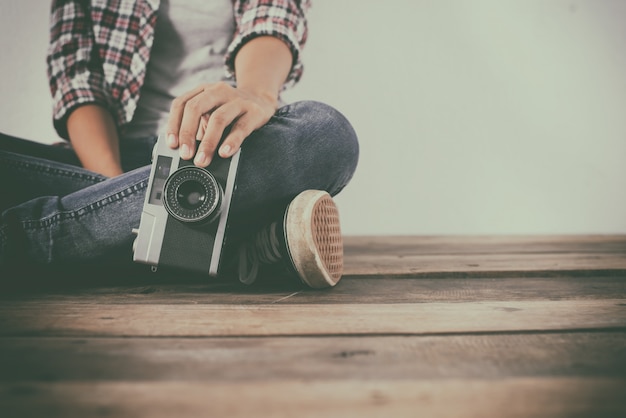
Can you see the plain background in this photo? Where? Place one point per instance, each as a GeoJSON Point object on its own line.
{"type": "Point", "coordinates": [474, 117]}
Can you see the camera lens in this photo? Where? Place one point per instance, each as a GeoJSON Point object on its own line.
{"type": "Point", "coordinates": [192, 195]}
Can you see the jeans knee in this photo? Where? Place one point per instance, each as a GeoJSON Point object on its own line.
{"type": "Point", "coordinates": [329, 126]}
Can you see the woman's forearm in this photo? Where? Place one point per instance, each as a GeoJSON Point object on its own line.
{"type": "Point", "coordinates": [262, 66]}
{"type": "Point", "coordinates": [94, 137]}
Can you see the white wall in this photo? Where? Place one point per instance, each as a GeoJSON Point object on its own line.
{"type": "Point", "coordinates": [475, 117]}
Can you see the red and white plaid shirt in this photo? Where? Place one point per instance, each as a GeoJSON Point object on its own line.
{"type": "Point", "coordinates": [99, 49]}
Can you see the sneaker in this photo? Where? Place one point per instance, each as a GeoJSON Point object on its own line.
{"type": "Point", "coordinates": [308, 240]}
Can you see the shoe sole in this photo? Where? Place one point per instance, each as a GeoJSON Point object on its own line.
{"type": "Point", "coordinates": [314, 239]}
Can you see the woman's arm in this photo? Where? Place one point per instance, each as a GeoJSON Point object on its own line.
{"type": "Point", "coordinates": [282, 19]}
{"type": "Point", "coordinates": [264, 56]}
{"type": "Point", "coordinates": [77, 86]}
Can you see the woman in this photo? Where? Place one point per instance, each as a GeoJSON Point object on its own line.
{"type": "Point", "coordinates": [196, 72]}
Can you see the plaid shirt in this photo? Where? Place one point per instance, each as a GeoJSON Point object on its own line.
{"type": "Point", "coordinates": [99, 49]}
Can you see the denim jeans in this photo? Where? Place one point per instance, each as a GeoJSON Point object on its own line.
{"type": "Point", "coordinates": [56, 213]}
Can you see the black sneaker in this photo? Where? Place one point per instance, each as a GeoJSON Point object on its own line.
{"type": "Point", "coordinates": [308, 240]}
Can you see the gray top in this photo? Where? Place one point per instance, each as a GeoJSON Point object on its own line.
{"type": "Point", "coordinates": [191, 38]}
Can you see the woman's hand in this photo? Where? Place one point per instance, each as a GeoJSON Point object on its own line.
{"type": "Point", "coordinates": [206, 112]}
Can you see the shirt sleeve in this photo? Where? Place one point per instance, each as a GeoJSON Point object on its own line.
{"type": "Point", "coordinates": [74, 71]}
{"type": "Point", "coordinates": [283, 19]}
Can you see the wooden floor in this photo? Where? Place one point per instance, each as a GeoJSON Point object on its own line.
{"type": "Point", "coordinates": [418, 327]}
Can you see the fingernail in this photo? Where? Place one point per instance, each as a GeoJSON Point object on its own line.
{"type": "Point", "coordinates": [225, 151]}
{"type": "Point", "coordinates": [185, 152]}
{"type": "Point", "coordinates": [201, 159]}
{"type": "Point", "coordinates": [171, 140]}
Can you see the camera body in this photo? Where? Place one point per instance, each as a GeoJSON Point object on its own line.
{"type": "Point", "coordinates": [185, 213]}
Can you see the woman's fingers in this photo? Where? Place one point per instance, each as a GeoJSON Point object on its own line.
{"type": "Point", "coordinates": [176, 115]}
{"type": "Point", "coordinates": [218, 121]}
{"type": "Point", "coordinates": [240, 130]}
{"type": "Point", "coordinates": [207, 112]}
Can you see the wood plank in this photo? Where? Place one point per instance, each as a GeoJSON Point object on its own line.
{"type": "Point", "coordinates": [484, 244]}
{"type": "Point", "coordinates": [349, 291]}
{"type": "Point", "coordinates": [486, 256]}
{"type": "Point", "coordinates": [91, 319]}
{"type": "Point", "coordinates": [485, 265]}
{"type": "Point", "coordinates": [483, 398]}
{"type": "Point", "coordinates": [399, 256]}
{"type": "Point", "coordinates": [313, 358]}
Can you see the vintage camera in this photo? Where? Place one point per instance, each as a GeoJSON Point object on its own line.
{"type": "Point", "coordinates": [184, 219]}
